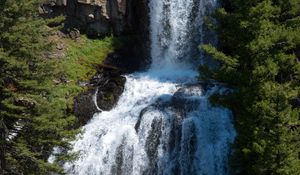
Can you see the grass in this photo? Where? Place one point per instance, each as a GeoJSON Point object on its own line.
{"type": "Point", "coordinates": [82, 56]}
{"type": "Point", "coordinates": [79, 65]}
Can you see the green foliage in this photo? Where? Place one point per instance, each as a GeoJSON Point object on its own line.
{"type": "Point", "coordinates": [28, 108]}
{"type": "Point", "coordinates": [84, 54]}
{"type": "Point", "coordinates": [257, 55]}
{"type": "Point", "coordinates": [31, 100]}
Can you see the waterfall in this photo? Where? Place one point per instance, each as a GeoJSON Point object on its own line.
{"type": "Point", "coordinates": [163, 122]}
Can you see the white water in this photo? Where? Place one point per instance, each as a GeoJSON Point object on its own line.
{"type": "Point", "coordinates": [163, 122]}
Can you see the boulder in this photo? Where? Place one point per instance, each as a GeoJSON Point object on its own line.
{"type": "Point", "coordinates": [104, 91]}
{"type": "Point", "coordinates": [84, 107]}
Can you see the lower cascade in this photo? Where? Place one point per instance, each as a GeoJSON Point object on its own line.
{"type": "Point", "coordinates": [163, 122]}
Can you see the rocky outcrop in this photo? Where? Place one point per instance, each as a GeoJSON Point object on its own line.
{"type": "Point", "coordinates": [104, 91]}
{"type": "Point", "coordinates": [96, 17]}
{"type": "Point", "coordinates": [84, 107]}
{"type": "Point", "coordinates": [52, 8]}
{"type": "Point", "coordinates": [56, 2]}
{"type": "Point", "coordinates": [110, 85]}
{"type": "Point", "coordinates": [99, 17]}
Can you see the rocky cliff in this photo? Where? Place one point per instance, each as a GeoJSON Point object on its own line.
{"type": "Point", "coordinates": [100, 17]}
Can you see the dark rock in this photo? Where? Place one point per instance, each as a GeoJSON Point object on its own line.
{"type": "Point", "coordinates": [109, 91]}
{"type": "Point", "coordinates": [102, 18]}
{"type": "Point", "coordinates": [53, 8]}
{"type": "Point", "coordinates": [183, 100]}
{"type": "Point", "coordinates": [84, 107]}
{"type": "Point", "coordinates": [138, 123]}
{"type": "Point", "coordinates": [109, 85]}
{"type": "Point", "coordinates": [152, 143]}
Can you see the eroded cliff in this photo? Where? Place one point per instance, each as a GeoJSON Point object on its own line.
{"type": "Point", "coordinates": [101, 17]}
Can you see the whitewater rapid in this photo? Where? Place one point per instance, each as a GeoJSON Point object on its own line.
{"type": "Point", "coordinates": [163, 122]}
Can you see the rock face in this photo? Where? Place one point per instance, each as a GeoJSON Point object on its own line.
{"type": "Point", "coordinates": [52, 8]}
{"type": "Point", "coordinates": [109, 85]}
{"type": "Point", "coordinates": [84, 107]}
{"type": "Point", "coordinates": [104, 91]}
{"type": "Point", "coordinates": [98, 17]}
{"type": "Point", "coordinates": [56, 2]}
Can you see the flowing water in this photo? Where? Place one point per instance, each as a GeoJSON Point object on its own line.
{"type": "Point", "coordinates": [163, 122]}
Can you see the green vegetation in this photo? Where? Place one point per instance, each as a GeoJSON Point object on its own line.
{"type": "Point", "coordinates": [84, 54]}
{"type": "Point", "coordinates": [37, 93]}
{"type": "Point", "coordinates": [79, 65]}
{"type": "Point", "coordinates": [259, 42]}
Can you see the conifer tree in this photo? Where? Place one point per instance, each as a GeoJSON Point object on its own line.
{"type": "Point", "coordinates": [257, 55]}
{"type": "Point", "coordinates": [33, 120]}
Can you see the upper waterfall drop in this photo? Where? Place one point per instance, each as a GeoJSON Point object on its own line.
{"type": "Point", "coordinates": [163, 122]}
{"type": "Point", "coordinates": [176, 29]}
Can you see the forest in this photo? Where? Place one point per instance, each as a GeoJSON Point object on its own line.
{"type": "Point", "coordinates": [259, 59]}
{"type": "Point", "coordinates": [258, 56]}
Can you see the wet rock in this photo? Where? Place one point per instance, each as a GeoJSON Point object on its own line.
{"type": "Point", "coordinates": [117, 168]}
{"type": "Point", "coordinates": [152, 143]}
{"type": "Point", "coordinates": [109, 85]}
{"type": "Point", "coordinates": [185, 99]}
{"type": "Point", "coordinates": [84, 107]}
{"type": "Point", "coordinates": [138, 123]}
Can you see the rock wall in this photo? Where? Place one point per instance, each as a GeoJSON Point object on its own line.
{"type": "Point", "coordinates": [99, 17]}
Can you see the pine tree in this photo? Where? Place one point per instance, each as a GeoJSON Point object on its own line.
{"type": "Point", "coordinates": [258, 42]}
{"type": "Point", "coordinates": [33, 119]}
